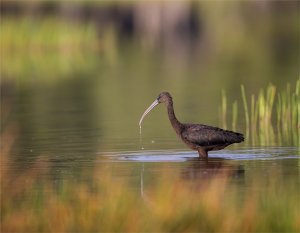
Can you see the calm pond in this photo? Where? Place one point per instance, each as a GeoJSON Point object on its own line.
{"type": "Point", "coordinates": [70, 142]}
{"type": "Point", "coordinates": [69, 127]}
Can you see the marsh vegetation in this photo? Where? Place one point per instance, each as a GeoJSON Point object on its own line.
{"type": "Point", "coordinates": [75, 78]}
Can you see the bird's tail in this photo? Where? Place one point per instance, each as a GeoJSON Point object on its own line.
{"type": "Point", "coordinates": [239, 137]}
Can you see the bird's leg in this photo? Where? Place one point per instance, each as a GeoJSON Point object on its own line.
{"type": "Point", "coordinates": [202, 152]}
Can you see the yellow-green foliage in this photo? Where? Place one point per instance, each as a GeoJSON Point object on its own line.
{"type": "Point", "coordinates": [54, 44]}
{"type": "Point", "coordinates": [45, 34]}
{"type": "Point", "coordinates": [171, 203]}
{"type": "Point", "coordinates": [267, 109]}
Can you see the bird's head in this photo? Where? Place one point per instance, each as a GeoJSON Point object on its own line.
{"type": "Point", "coordinates": [163, 97]}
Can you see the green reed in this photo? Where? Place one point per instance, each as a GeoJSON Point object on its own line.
{"type": "Point", "coordinates": [288, 113]}
{"type": "Point", "coordinates": [245, 109]}
{"type": "Point", "coordinates": [267, 109]}
{"type": "Point", "coordinates": [223, 109]}
{"type": "Point", "coordinates": [234, 114]}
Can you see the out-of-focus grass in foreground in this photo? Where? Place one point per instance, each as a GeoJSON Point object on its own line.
{"type": "Point", "coordinates": [170, 204]}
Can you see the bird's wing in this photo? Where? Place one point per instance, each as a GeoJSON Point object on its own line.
{"type": "Point", "coordinates": [204, 135]}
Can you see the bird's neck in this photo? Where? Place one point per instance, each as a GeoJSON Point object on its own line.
{"type": "Point", "coordinates": [175, 123]}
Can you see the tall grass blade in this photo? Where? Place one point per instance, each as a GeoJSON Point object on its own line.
{"type": "Point", "coordinates": [224, 109]}
{"type": "Point", "coordinates": [234, 114]}
{"type": "Point", "coordinates": [254, 116]}
{"type": "Point", "coordinates": [245, 109]}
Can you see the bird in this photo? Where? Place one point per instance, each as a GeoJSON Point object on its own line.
{"type": "Point", "coordinates": [199, 137]}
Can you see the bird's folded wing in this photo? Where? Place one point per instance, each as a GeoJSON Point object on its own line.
{"type": "Point", "coordinates": [203, 135]}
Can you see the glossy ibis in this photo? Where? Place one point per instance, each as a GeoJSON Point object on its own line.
{"type": "Point", "coordinates": [202, 138]}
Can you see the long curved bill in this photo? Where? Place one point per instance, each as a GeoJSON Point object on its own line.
{"type": "Point", "coordinates": [148, 110]}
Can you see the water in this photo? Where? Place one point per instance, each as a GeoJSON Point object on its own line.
{"type": "Point", "coordinates": [65, 129]}
{"type": "Point", "coordinates": [70, 153]}
{"type": "Point", "coordinates": [73, 138]}
{"type": "Point", "coordinates": [251, 161]}
{"type": "Point", "coordinates": [260, 153]}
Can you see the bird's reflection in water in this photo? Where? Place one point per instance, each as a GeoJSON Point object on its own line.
{"type": "Point", "coordinates": [200, 172]}
{"type": "Point", "coordinates": [198, 168]}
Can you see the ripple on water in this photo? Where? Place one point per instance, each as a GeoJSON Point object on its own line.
{"type": "Point", "coordinates": [260, 153]}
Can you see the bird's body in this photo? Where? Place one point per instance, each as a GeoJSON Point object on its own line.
{"type": "Point", "coordinates": [202, 138]}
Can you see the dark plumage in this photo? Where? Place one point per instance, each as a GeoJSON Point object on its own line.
{"type": "Point", "coordinates": [202, 138]}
